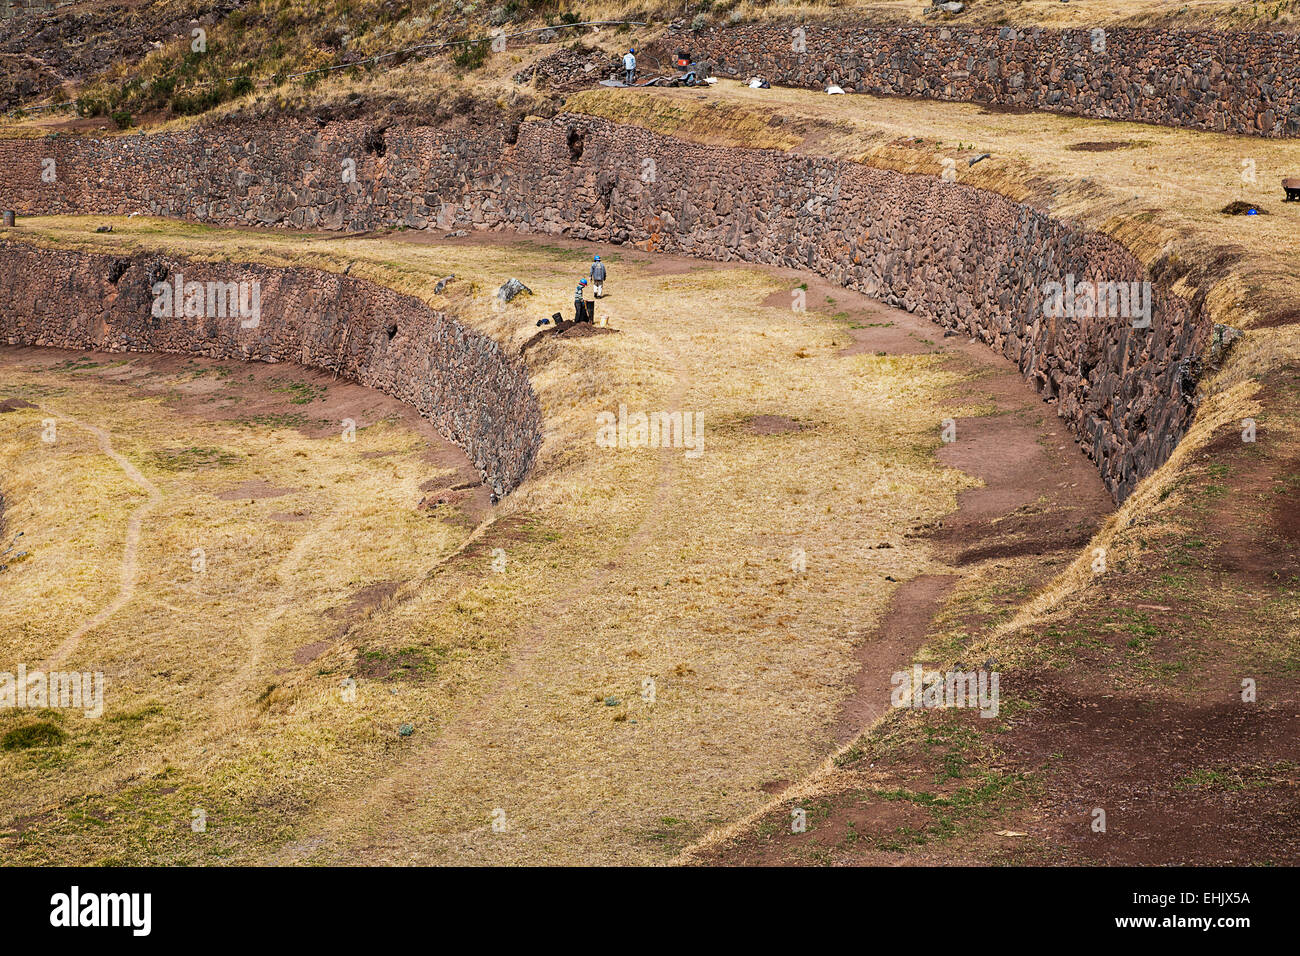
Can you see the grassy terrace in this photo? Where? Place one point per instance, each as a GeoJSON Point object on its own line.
{"type": "Point", "coordinates": [1202, 583]}
{"type": "Point", "coordinates": [524, 688]}
{"type": "Point", "coordinates": [1158, 190]}
{"type": "Point", "coordinates": [624, 565]}
{"type": "Point", "coordinates": [259, 44]}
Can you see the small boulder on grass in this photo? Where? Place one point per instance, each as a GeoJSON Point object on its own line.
{"type": "Point", "coordinates": [511, 289]}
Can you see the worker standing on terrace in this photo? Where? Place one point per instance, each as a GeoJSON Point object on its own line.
{"type": "Point", "coordinates": [629, 66]}
{"type": "Point", "coordinates": [598, 276]}
{"type": "Point", "coordinates": [579, 303]}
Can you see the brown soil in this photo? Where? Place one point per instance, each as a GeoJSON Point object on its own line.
{"type": "Point", "coordinates": [1040, 496]}
{"type": "Point", "coordinates": [1241, 208]}
{"type": "Point", "coordinates": [1131, 704]}
{"type": "Point", "coordinates": [566, 330]}
{"type": "Point", "coordinates": [364, 600]}
{"type": "Point", "coordinates": [773, 425]}
{"type": "Point", "coordinates": [903, 631]}
{"type": "Point", "coordinates": [309, 652]}
{"type": "Point", "coordinates": [1197, 783]}
{"type": "Point", "coordinates": [871, 326]}
{"type": "Point", "coordinates": [1101, 146]}
{"type": "Point", "coordinates": [254, 490]}
{"type": "Point", "coordinates": [260, 394]}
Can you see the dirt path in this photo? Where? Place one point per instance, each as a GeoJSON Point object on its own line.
{"type": "Point", "coordinates": [389, 794]}
{"type": "Point", "coordinates": [129, 551]}
{"type": "Point", "coordinates": [527, 726]}
{"type": "Point", "coordinates": [1028, 470]}
{"type": "Point", "coordinates": [1039, 496]}
{"type": "Point", "coordinates": [893, 645]}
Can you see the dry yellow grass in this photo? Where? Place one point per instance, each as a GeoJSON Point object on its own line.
{"type": "Point", "coordinates": [190, 653]}
{"type": "Point", "coordinates": [1160, 193]}
{"type": "Point", "coordinates": [622, 566]}
{"type": "Point", "coordinates": [625, 566]}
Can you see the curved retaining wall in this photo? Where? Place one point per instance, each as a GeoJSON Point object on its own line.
{"type": "Point", "coordinates": [971, 260]}
{"type": "Point", "coordinates": [266, 173]}
{"type": "Point", "coordinates": [968, 259]}
{"type": "Point", "coordinates": [460, 379]}
{"type": "Point", "coordinates": [1242, 82]}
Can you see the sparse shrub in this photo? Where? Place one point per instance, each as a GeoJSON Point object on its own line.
{"type": "Point", "coordinates": [122, 119]}
{"type": "Point", "coordinates": [189, 104]}
{"type": "Point", "coordinates": [163, 88]}
{"type": "Point", "coordinates": [470, 56]}
{"type": "Point", "coordinates": [43, 733]}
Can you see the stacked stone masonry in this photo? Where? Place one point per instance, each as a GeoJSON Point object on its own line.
{"type": "Point", "coordinates": [1244, 82]}
{"type": "Point", "coordinates": [458, 378]}
{"type": "Point", "coordinates": [973, 261]}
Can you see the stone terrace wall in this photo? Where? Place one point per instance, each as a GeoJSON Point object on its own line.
{"type": "Point", "coordinates": [969, 259]}
{"type": "Point", "coordinates": [1238, 82]}
{"type": "Point", "coordinates": [458, 378]}
{"type": "Point", "coordinates": [286, 173]}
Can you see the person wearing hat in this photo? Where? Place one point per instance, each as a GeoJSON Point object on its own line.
{"type": "Point", "coordinates": [598, 276]}
{"type": "Point", "coordinates": [579, 303]}
{"type": "Point", "coordinates": [629, 66]}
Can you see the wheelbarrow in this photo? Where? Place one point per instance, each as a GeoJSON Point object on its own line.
{"type": "Point", "coordinates": [1292, 187]}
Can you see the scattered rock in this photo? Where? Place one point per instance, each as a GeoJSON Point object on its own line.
{"type": "Point", "coordinates": [512, 288]}
{"type": "Point", "coordinates": [1189, 371]}
{"type": "Point", "coordinates": [1222, 339]}
{"type": "Point", "coordinates": [405, 730]}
